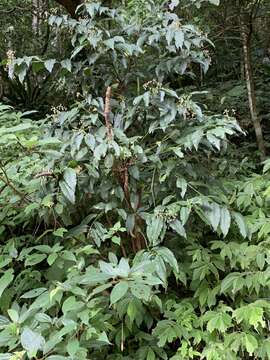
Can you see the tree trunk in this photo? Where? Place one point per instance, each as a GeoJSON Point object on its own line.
{"type": "Point", "coordinates": [246, 33]}
{"type": "Point", "coordinates": [35, 18]}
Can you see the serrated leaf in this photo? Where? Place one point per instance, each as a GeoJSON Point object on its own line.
{"type": "Point", "coordinates": [220, 322]}
{"type": "Point", "coordinates": [250, 343]}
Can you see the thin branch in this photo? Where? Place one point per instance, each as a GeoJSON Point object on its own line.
{"type": "Point", "coordinates": [107, 110]}
{"type": "Point", "coordinates": [5, 179]}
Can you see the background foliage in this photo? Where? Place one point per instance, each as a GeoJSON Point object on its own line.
{"type": "Point", "coordinates": [134, 203]}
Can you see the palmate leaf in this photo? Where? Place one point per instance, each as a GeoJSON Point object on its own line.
{"type": "Point", "coordinates": [220, 322]}
{"type": "Point", "coordinates": [251, 314]}
{"type": "Point", "coordinates": [166, 331]}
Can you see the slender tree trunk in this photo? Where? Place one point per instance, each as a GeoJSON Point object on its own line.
{"type": "Point", "coordinates": [246, 33]}
{"type": "Point", "coordinates": [35, 18]}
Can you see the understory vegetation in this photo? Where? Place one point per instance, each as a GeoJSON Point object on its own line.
{"type": "Point", "coordinates": [134, 180]}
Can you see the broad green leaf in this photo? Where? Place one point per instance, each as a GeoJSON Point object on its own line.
{"type": "Point", "coordinates": [72, 347]}
{"type": "Point", "coordinates": [250, 343]}
{"type": "Point", "coordinates": [154, 229]}
{"type": "Point", "coordinates": [100, 151]}
{"type": "Point", "coordinates": [118, 291]}
{"type": "Point", "coordinates": [13, 314]}
{"type": "Point", "coordinates": [141, 291]}
{"type": "Point", "coordinates": [178, 227]}
{"type": "Point", "coordinates": [35, 259]}
{"type": "Point", "coordinates": [213, 213]}
{"type": "Point", "coordinates": [240, 221]}
{"type": "Point", "coordinates": [66, 64]}
{"type": "Point", "coordinates": [5, 280]}
{"type": "Point", "coordinates": [225, 220]}
{"type": "Point", "coordinates": [71, 304]}
{"type": "Point", "coordinates": [32, 341]}
{"type": "Point", "coordinates": [220, 322]}
{"type": "Point", "coordinates": [49, 64]}
{"type": "Point", "coordinates": [182, 184]}
{"type": "Point", "coordinates": [68, 185]}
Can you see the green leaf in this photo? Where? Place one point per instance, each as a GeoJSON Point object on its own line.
{"type": "Point", "coordinates": [240, 221]}
{"type": "Point", "coordinates": [100, 151]}
{"type": "Point", "coordinates": [32, 341]}
{"type": "Point", "coordinates": [168, 257]}
{"type": "Point", "coordinates": [154, 229]}
{"type": "Point", "coordinates": [66, 64]}
{"type": "Point", "coordinates": [68, 186]}
{"type": "Point", "coordinates": [178, 227]}
{"type": "Point", "coordinates": [72, 347]}
{"type": "Point", "coordinates": [90, 141]}
{"type": "Point", "coordinates": [179, 39]}
{"type": "Point", "coordinates": [70, 304]}
{"type": "Point", "coordinates": [13, 314]}
{"type": "Point", "coordinates": [5, 280]}
{"type": "Point", "coordinates": [225, 221]}
{"type": "Point", "coordinates": [119, 291]}
{"type": "Point", "coordinates": [251, 314]}
{"type": "Point", "coordinates": [60, 232]}
{"type": "Point", "coordinates": [132, 310]}
{"type": "Point", "coordinates": [141, 291]}
{"type": "Point", "coordinates": [250, 343]}
{"type": "Point", "coordinates": [34, 259]}
{"type": "Point", "coordinates": [213, 213]}
{"type": "Point", "coordinates": [182, 184]}
{"type": "Point", "coordinates": [103, 338]}
{"type": "Point", "coordinates": [49, 64]}
{"type": "Point", "coordinates": [151, 355]}
{"type": "Point", "coordinates": [33, 293]}
{"type": "Point", "coordinates": [220, 322]}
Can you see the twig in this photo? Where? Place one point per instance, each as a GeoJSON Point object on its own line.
{"type": "Point", "coordinates": [107, 110]}
{"type": "Point", "coordinates": [5, 179]}
{"type": "Point", "coordinates": [44, 174]}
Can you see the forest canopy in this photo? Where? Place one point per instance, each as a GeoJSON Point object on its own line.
{"type": "Point", "coordinates": [134, 180]}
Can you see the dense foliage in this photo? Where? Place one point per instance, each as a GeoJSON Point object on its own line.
{"type": "Point", "coordinates": [134, 217]}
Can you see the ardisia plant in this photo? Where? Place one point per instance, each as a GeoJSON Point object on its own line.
{"type": "Point", "coordinates": [118, 242]}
